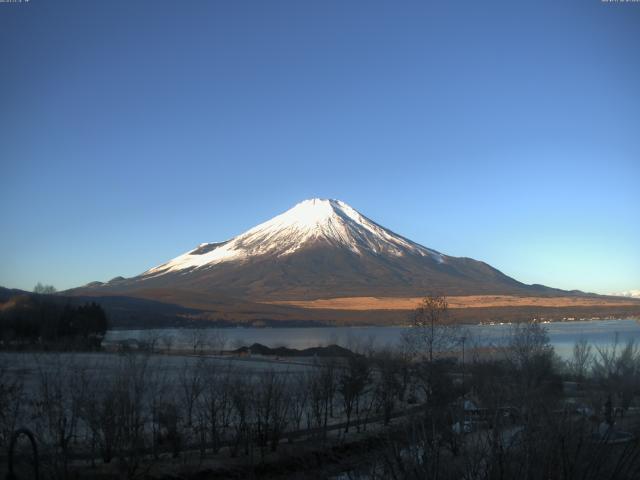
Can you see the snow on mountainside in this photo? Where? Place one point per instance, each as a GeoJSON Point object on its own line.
{"type": "Point", "coordinates": [628, 293]}
{"type": "Point", "coordinates": [316, 220]}
{"type": "Point", "coordinates": [318, 249]}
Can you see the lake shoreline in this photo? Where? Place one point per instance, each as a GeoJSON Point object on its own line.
{"type": "Point", "coordinates": [283, 325]}
{"type": "Point", "coordinates": [562, 334]}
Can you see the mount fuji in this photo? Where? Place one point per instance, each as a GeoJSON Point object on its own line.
{"type": "Point", "coordinates": [319, 249]}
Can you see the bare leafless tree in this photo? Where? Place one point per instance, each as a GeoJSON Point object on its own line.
{"type": "Point", "coordinates": [216, 403]}
{"type": "Point", "coordinates": [191, 386]}
{"type": "Point", "coordinates": [270, 408]}
{"type": "Point", "coordinates": [196, 338]}
{"type": "Point", "coordinates": [11, 403]}
{"type": "Point", "coordinates": [131, 390]}
{"type": "Point", "coordinates": [242, 412]}
{"type": "Point", "coordinates": [150, 340]}
{"type": "Point", "coordinates": [617, 369]}
{"type": "Point", "coordinates": [158, 397]}
{"type": "Point", "coordinates": [298, 393]}
{"type": "Point", "coordinates": [430, 332]}
{"type": "Point", "coordinates": [352, 382]}
{"type": "Point", "coordinates": [56, 405]}
{"type": "Point", "coordinates": [98, 411]}
{"type": "Point", "coordinates": [44, 289]}
{"type": "Point", "coordinates": [217, 340]}
{"type": "Point", "coordinates": [580, 362]}
{"type": "Point", "coordinates": [167, 341]}
{"type": "Point", "coordinates": [390, 382]}
{"type": "Point", "coordinates": [527, 341]}
{"type": "Point", "coordinates": [322, 387]}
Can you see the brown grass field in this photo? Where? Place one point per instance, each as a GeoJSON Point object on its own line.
{"type": "Point", "coordinates": [469, 301]}
{"type": "Point", "coordinates": [372, 310]}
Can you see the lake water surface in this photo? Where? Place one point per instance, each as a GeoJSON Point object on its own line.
{"type": "Point", "coordinates": [563, 335]}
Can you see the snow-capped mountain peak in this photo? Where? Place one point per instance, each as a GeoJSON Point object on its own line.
{"type": "Point", "coordinates": [309, 222]}
{"type": "Point", "coordinates": [318, 249]}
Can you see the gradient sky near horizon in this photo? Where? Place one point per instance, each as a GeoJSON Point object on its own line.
{"type": "Point", "coordinates": [131, 131]}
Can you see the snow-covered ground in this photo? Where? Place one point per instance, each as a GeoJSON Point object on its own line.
{"type": "Point", "coordinates": [629, 293]}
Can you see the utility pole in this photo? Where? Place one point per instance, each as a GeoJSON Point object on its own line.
{"type": "Point", "coordinates": [462, 340]}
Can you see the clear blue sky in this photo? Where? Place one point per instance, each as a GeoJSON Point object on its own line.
{"type": "Point", "coordinates": [131, 131]}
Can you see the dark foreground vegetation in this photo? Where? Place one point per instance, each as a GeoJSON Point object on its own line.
{"type": "Point", "coordinates": [437, 407]}
{"type": "Point", "coordinates": [44, 321]}
{"type": "Point", "coordinates": [332, 351]}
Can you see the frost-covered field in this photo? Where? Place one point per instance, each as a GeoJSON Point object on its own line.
{"type": "Point", "coordinates": [29, 367]}
{"type": "Point", "coordinates": [126, 406]}
{"type": "Point", "coordinates": [83, 395]}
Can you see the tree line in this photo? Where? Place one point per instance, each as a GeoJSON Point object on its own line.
{"type": "Point", "coordinates": [46, 320]}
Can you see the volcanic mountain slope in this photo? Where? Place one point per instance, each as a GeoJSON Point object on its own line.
{"type": "Point", "coordinates": [320, 249]}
